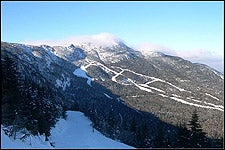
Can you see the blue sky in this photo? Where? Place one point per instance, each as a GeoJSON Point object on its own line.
{"type": "Point", "coordinates": [182, 27]}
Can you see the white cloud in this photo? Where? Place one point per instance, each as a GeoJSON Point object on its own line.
{"type": "Point", "coordinates": [102, 39]}
{"type": "Point", "coordinates": [147, 48]}
{"type": "Point", "coordinates": [213, 59]}
{"type": "Point", "coordinates": [209, 58]}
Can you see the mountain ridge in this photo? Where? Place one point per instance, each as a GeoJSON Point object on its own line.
{"type": "Point", "coordinates": [164, 85]}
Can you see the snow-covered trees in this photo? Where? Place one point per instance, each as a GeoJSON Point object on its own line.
{"type": "Point", "coordinates": [26, 104]}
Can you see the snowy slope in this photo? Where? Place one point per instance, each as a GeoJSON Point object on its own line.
{"type": "Point", "coordinates": [81, 72]}
{"type": "Point", "coordinates": [74, 132]}
{"type": "Point", "coordinates": [30, 142]}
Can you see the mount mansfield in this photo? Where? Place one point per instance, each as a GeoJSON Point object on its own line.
{"type": "Point", "coordinates": [128, 96]}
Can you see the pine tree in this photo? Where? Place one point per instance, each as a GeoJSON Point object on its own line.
{"type": "Point", "coordinates": [11, 96]}
{"type": "Point", "coordinates": [197, 136]}
{"type": "Point", "coordinates": [26, 104]}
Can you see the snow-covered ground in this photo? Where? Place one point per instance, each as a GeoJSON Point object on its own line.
{"type": "Point", "coordinates": [74, 132]}
{"type": "Point", "coordinates": [81, 72]}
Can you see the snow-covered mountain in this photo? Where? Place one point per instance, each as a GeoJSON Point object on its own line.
{"type": "Point", "coordinates": [104, 77]}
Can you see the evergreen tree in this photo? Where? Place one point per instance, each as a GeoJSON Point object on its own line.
{"type": "Point", "coordinates": [197, 136]}
{"type": "Point", "coordinates": [11, 96]}
{"type": "Point", "coordinates": [26, 104]}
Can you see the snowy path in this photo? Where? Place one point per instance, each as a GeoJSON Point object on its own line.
{"type": "Point", "coordinates": [148, 88]}
{"type": "Point", "coordinates": [212, 96]}
{"type": "Point", "coordinates": [76, 132]}
{"type": "Point", "coordinates": [114, 77]}
{"type": "Point", "coordinates": [197, 105]}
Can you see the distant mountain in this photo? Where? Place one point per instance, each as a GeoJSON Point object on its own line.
{"type": "Point", "coordinates": [117, 84]}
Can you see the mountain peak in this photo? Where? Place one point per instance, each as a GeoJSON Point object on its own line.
{"type": "Point", "coordinates": [102, 39]}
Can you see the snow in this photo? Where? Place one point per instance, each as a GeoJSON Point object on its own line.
{"type": "Point", "coordinates": [219, 106]}
{"type": "Point", "coordinates": [140, 87]}
{"type": "Point", "coordinates": [192, 104]}
{"type": "Point", "coordinates": [108, 96]}
{"type": "Point", "coordinates": [194, 100]}
{"type": "Point", "coordinates": [212, 96]}
{"type": "Point", "coordinates": [114, 77]}
{"type": "Point", "coordinates": [74, 132]}
{"type": "Point", "coordinates": [36, 54]}
{"type": "Point", "coordinates": [217, 73]}
{"type": "Point", "coordinates": [159, 90]}
{"type": "Point", "coordinates": [63, 83]}
{"type": "Point", "coordinates": [81, 72]}
{"type": "Point", "coordinates": [180, 89]}
{"type": "Point", "coordinates": [155, 79]}
{"type": "Point", "coordinates": [163, 95]}
{"type": "Point", "coordinates": [28, 143]}
{"type": "Point", "coordinates": [77, 130]}
{"type": "Point", "coordinates": [144, 87]}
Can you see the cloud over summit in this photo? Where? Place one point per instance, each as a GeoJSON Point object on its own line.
{"type": "Point", "coordinates": [102, 39]}
{"type": "Point", "coordinates": [210, 58]}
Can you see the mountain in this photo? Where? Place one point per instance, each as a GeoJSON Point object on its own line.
{"type": "Point", "coordinates": [115, 85]}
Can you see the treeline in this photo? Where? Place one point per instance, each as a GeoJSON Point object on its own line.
{"type": "Point", "coordinates": [27, 106]}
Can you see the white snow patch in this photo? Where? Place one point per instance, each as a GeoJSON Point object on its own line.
{"type": "Point", "coordinates": [114, 77]}
{"type": "Point", "coordinates": [220, 75]}
{"type": "Point", "coordinates": [81, 72]}
{"type": "Point", "coordinates": [163, 95]}
{"type": "Point", "coordinates": [156, 79]}
{"type": "Point", "coordinates": [156, 89]}
{"type": "Point", "coordinates": [197, 105]}
{"type": "Point", "coordinates": [28, 143]}
{"type": "Point", "coordinates": [140, 87]}
{"type": "Point", "coordinates": [212, 96]}
{"type": "Point", "coordinates": [159, 90]}
{"type": "Point", "coordinates": [108, 96]}
{"type": "Point", "coordinates": [36, 54]}
{"type": "Point", "coordinates": [194, 100]}
{"type": "Point", "coordinates": [219, 106]}
{"type": "Point", "coordinates": [135, 96]}
{"type": "Point", "coordinates": [180, 89]}
{"type": "Point", "coordinates": [63, 83]}
{"type": "Point", "coordinates": [175, 95]}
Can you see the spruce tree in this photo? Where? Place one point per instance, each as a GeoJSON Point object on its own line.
{"type": "Point", "coordinates": [11, 96]}
{"type": "Point", "coordinates": [197, 136]}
